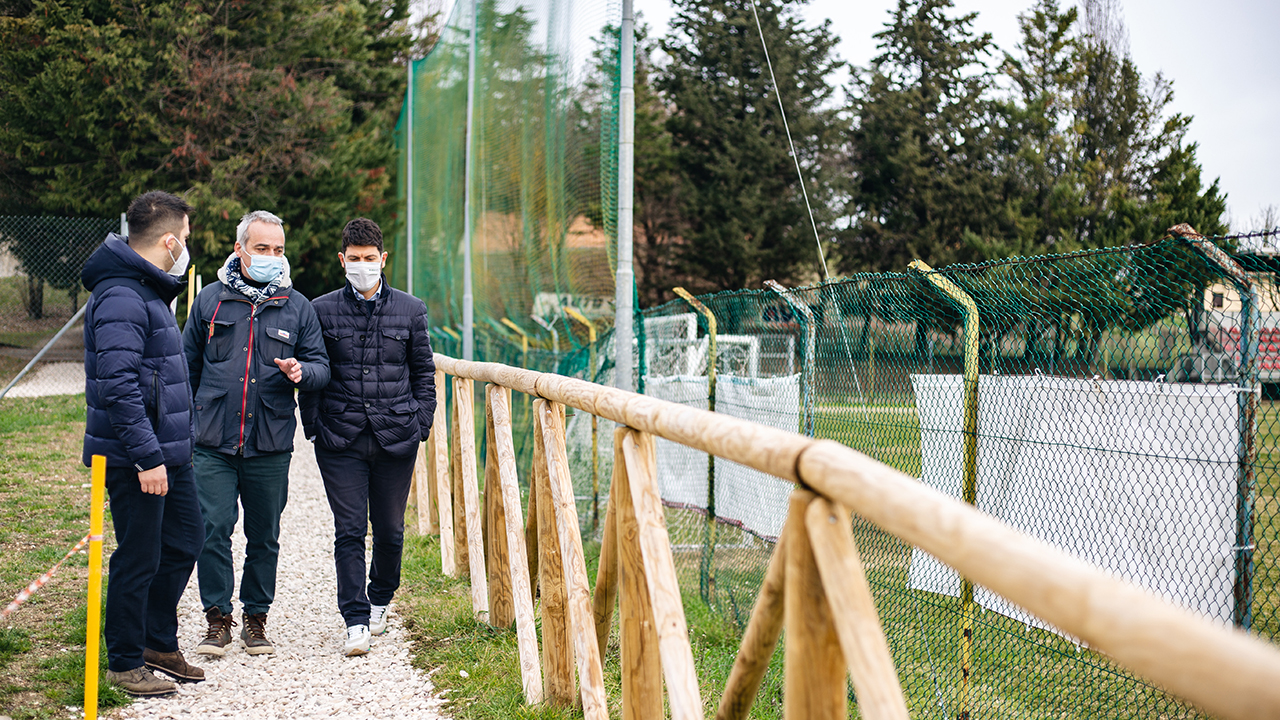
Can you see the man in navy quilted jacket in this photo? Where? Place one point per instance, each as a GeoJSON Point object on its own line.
{"type": "Point", "coordinates": [139, 417]}
{"type": "Point", "coordinates": [367, 424]}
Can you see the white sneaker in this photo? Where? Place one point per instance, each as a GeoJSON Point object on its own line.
{"type": "Point", "coordinates": [377, 619]}
{"type": "Point", "coordinates": [357, 641]}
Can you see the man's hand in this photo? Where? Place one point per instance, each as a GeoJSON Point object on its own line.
{"type": "Point", "coordinates": [154, 481]}
{"type": "Point", "coordinates": [291, 368]}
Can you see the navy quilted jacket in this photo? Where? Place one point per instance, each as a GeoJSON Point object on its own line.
{"type": "Point", "coordinates": [136, 389]}
{"type": "Point", "coordinates": [382, 372]}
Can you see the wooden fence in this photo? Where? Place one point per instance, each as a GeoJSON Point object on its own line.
{"type": "Point", "coordinates": [815, 585]}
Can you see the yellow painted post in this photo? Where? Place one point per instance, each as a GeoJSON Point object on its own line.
{"type": "Point", "coordinates": [970, 309]}
{"type": "Point", "coordinates": [595, 421]}
{"type": "Point", "coordinates": [707, 576]}
{"type": "Point", "coordinates": [191, 288]}
{"type": "Point", "coordinates": [92, 630]}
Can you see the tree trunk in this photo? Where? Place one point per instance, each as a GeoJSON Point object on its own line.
{"type": "Point", "coordinates": [35, 297]}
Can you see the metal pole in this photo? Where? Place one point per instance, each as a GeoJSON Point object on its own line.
{"type": "Point", "coordinates": [468, 299]}
{"type": "Point", "coordinates": [625, 280]}
{"type": "Point", "coordinates": [970, 310]}
{"type": "Point", "coordinates": [707, 581]}
{"type": "Point", "coordinates": [1242, 615]}
{"type": "Point", "coordinates": [806, 368]}
{"type": "Point", "coordinates": [124, 225]}
{"type": "Point", "coordinates": [45, 349]}
{"type": "Point", "coordinates": [408, 210]}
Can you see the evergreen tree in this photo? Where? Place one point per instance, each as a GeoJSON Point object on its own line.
{"type": "Point", "coordinates": [743, 211]}
{"type": "Point", "coordinates": [284, 105]}
{"type": "Point", "coordinates": [925, 142]}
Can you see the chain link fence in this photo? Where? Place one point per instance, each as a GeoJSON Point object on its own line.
{"type": "Point", "coordinates": [40, 290]}
{"type": "Point", "coordinates": [1116, 403]}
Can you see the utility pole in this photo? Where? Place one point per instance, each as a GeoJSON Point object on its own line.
{"type": "Point", "coordinates": [468, 297]}
{"type": "Point", "coordinates": [625, 279]}
{"type": "Point", "coordinates": [408, 210]}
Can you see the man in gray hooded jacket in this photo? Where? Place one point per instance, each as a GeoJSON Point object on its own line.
{"type": "Point", "coordinates": [250, 340]}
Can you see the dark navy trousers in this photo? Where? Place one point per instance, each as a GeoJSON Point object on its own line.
{"type": "Point", "coordinates": [366, 487]}
{"type": "Point", "coordinates": [158, 538]}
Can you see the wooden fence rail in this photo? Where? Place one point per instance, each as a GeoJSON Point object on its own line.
{"type": "Point", "coordinates": [815, 585]}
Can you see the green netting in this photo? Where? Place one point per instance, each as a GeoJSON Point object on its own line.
{"type": "Point", "coordinates": [1124, 396]}
{"type": "Point", "coordinates": [1120, 416]}
{"type": "Point", "coordinates": [543, 190]}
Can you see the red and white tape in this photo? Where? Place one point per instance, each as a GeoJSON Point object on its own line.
{"type": "Point", "coordinates": [40, 581]}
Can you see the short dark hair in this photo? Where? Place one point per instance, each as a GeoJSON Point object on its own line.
{"type": "Point", "coordinates": [153, 214]}
{"type": "Point", "coordinates": [362, 232]}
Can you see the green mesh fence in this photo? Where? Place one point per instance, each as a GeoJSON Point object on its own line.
{"type": "Point", "coordinates": [1122, 398]}
{"type": "Point", "coordinates": [1124, 414]}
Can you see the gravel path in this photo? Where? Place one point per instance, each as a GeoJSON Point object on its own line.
{"type": "Point", "coordinates": [307, 677]}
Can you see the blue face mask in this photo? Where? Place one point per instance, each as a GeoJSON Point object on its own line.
{"type": "Point", "coordinates": [265, 268]}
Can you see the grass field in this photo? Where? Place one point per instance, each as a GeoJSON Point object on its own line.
{"type": "Point", "coordinates": [44, 511]}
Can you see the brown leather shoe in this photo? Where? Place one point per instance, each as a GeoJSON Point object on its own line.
{"type": "Point", "coordinates": [139, 682]}
{"type": "Point", "coordinates": [218, 636]}
{"type": "Point", "coordinates": [254, 635]}
{"type": "Point", "coordinates": [173, 665]}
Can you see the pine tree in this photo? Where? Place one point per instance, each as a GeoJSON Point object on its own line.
{"type": "Point", "coordinates": [925, 140]}
{"type": "Point", "coordinates": [279, 105]}
{"type": "Point", "coordinates": [744, 217]}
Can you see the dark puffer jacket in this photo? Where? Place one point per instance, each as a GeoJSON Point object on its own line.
{"type": "Point", "coordinates": [382, 372]}
{"type": "Point", "coordinates": [244, 403]}
{"type": "Point", "coordinates": [139, 401]}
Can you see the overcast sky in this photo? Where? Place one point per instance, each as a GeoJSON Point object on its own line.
{"type": "Point", "coordinates": [1222, 57]}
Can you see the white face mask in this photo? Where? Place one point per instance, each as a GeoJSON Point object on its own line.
{"type": "Point", "coordinates": [364, 276]}
{"type": "Point", "coordinates": [180, 263]}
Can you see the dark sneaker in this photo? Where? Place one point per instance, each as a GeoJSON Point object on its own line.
{"type": "Point", "coordinates": [173, 665]}
{"type": "Point", "coordinates": [254, 635]}
{"type": "Point", "coordinates": [139, 682]}
{"type": "Point", "coordinates": [218, 636]}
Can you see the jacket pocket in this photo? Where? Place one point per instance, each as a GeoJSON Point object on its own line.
{"type": "Point", "coordinates": [279, 344]}
{"type": "Point", "coordinates": [221, 340]}
{"type": "Point", "coordinates": [211, 415]}
{"type": "Point", "coordinates": [275, 427]}
{"type": "Point", "coordinates": [339, 345]}
{"type": "Point", "coordinates": [394, 343]}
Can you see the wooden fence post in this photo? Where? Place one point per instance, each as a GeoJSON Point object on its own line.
{"type": "Point", "coordinates": [660, 576]}
{"type": "Point", "coordinates": [502, 610]}
{"type": "Point", "coordinates": [606, 593]}
{"type": "Point", "coordinates": [465, 413]}
{"type": "Point", "coordinates": [557, 647]}
{"type": "Point", "coordinates": [423, 489]}
{"type": "Point", "coordinates": [460, 554]}
{"type": "Point", "coordinates": [517, 568]}
{"type": "Point", "coordinates": [641, 663]}
{"type": "Point", "coordinates": [853, 610]}
{"type": "Point", "coordinates": [441, 479]}
{"type": "Point", "coordinates": [815, 670]}
{"type": "Point", "coordinates": [595, 705]}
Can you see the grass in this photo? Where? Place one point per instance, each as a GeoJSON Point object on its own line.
{"type": "Point", "coordinates": [44, 510]}
{"type": "Point", "coordinates": [475, 666]}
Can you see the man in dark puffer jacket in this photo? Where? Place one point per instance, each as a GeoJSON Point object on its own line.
{"type": "Point", "coordinates": [368, 423]}
{"type": "Point", "coordinates": [139, 417]}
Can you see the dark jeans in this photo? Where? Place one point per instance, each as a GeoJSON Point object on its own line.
{"type": "Point", "coordinates": [366, 487]}
{"type": "Point", "coordinates": [158, 538]}
{"type": "Point", "coordinates": [261, 484]}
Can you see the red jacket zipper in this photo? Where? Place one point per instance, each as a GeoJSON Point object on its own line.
{"type": "Point", "coordinates": [248, 359]}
